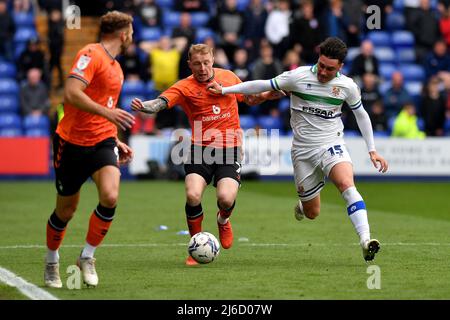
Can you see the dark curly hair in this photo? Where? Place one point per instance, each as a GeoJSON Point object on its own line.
{"type": "Point", "coordinates": [333, 48]}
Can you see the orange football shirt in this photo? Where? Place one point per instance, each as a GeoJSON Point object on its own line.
{"type": "Point", "coordinates": [216, 115]}
{"type": "Point", "coordinates": [104, 78]}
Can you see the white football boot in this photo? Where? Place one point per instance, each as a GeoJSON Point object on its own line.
{"type": "Point", "coordinates": [299, 215]}
{"type": "Point", "coordinates": [51, 275]}
{"type": "Point", "coordinates": [370, 248]}
{"type": "Point", "coordinates": [87, 267]}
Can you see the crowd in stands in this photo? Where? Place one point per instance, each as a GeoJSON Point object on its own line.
{"type": "Point", "coordinates": [403, 69]}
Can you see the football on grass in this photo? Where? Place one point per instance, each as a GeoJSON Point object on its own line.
{"type": "Point", "coordinates": [204, 247]}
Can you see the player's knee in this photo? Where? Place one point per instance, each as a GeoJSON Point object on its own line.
{"type": "Point", "coordinates": [109, 200]}
{"type": "Point", "coordinates": [225, 201]}
{"type": "Point", "coordinates": [193, 197]}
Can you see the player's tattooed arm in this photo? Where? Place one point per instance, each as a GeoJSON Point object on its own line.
{"type": "Point", "coordinates": [254, 99]}
{"type": "Point", "coordinates": [151, 106]}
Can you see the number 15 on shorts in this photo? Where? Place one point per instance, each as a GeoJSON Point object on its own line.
{"type": "Point", "coordinates": [336, 150]}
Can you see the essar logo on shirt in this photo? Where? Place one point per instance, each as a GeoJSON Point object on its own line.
{"type": "Point", "coordinates": [216, 109]}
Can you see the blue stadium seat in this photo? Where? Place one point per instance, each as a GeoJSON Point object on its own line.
{"type": "Point", "coordinates": [7, 70]}
{"type": "Point", "coordinates": [199, 19]}
{"type": "Point", "coordinates": [150, 91]}
{"type": "Point", "coordinates": [9, 86]}
{"type": "Point", "coordinates": [37, 132]}
{"type": "Point", "coordinates": [395, 21]}
{"type": "Point", "coordinates": [379, 38]}
{"type": "Point", "coordinates": [351, 133]}
{"type": "Point", "coordinates": [23, 19]}
{"type": "Point", "coordinates": [269, 122]}
{"type": "Point", "coordinates": [19, 48]}
{"type": "Point", "coordinates": [378, 134]}
{"type": "Point", "coordinates": [9, 103]}
{"type": "Point", "coordinates": [242, 4]}
{"type": "Point", "coordinates": [203, 33]}
{"type": "Point", "coordinates": [284, 104]}
{"type": "Point", "coordinates": [10, 121]}
{"type": "Point", "coordinates": [165, 4]}
{"type": "Point", "coordinates": [247, 121]}
{"type": "Point", "coordinates": [403, 38]}
{"type": "Point", "coordinates": [412, 72]}
{"type": "Point", "coordinates": [150, 34]}
{"type": "Point", "coordinates": [398, 5]}
{"type": "Point", "coordinates": [414, 87]}
{"type": "Point", "coordinates": [24, 34]}
{"type": "Point", "coordinates": [11, 132]}
{"type": "Point", "coordinates": [384, 87]}
{"type": "Point", "coordinates": [36, 122]}
{"type": "Point", "coordinates": [390, 123]}
{"type": "Point", "coordinates": [405, 55]}
{"type": "Point", "coordinates": [171, 18]}
{"type": "Point", "coordinates": [420, 123]}
{"type": "Point", "coordinates": [133, 87]}
{"type": "Point", "coordinates": [447, 126]}
{"type": "Point", "coordinates": [352, 52]}
{"type": "Point", "coordinates": [125, 101]}
{"type": "Point", "coordinates": [386, 70]}
{"type": "Point", "coordinates": [385, 54]}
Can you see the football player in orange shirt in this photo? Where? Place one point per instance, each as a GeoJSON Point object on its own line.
{"type": "Point", "coordinates": [216, 137]}
{"type": "Point", "coordinates": [86, 144]}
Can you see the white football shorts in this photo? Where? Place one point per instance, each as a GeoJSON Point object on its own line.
{"type": "Point", "coordinates": [312, 165]}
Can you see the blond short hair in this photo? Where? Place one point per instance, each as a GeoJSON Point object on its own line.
{"type": "Point", "coordinates": [200, 48]}
{"type": "Point", "coordinates": [114, 21]}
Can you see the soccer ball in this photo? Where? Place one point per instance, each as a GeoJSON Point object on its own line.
{"type": "Point", "coordinates": [204, 247]}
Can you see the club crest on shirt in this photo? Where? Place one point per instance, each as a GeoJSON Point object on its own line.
{"type": "Point", "coordinates": [335, 91]}
{"type": "Point", "coordinates": [82, 64]}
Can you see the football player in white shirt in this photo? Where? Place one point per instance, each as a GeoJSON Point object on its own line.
{"type": "Point", "coordinates": [318, 148]}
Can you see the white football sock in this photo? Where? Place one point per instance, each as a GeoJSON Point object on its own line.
{"type": "Point", "coordinates": [356, 209]}
{"type": "Point", "coordinates": [221, 220]}
{"type": "Point", "coordinates": [52, 256]}
{"type": "Point", "coordinates": [88, 251]}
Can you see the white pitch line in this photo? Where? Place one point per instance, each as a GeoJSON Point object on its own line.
{"type": "Point", "coordinates": [249, 244]}
{"type": "Point", "coordinates": [28, 289]}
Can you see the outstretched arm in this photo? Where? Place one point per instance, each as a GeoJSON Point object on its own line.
{"type": "Point", "coordinates": [255, 92]}
{"type": "Point", "coordinates": [365, 126]}
{"type": "Point", "coordinates": [151, 106]}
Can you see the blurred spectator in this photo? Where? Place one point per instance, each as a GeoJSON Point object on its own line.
{"type": "Point", "coordinates": [184, 34]}
{"type": "Point", "coordinates": [150, 13]}
{"type": "Point", "coordinates": [305, 32]}
{"type": "Point", "coordinates": [267, 67]}
{"type": "Point", "coordinates": [369, 90]}
{"type": "Point", "coordinates": [32, 57]}
{"type": "Point", "coordinates": [405, 124]}
{"type": "Point", "coordinates": [291, 60]}
{"type": "Point", "coordinates": [34, 98]}
{"type": "Point", "coordinates": [277, 27]}
{"type": "Point", "coordinates": [229, 23]}
{"type": "Point", "coordinates": [396, 96]}
{"type": "Point", "coordinates": [56, 44]}
{"type": "Point", "coordinates": [425, 27]}
{"type": "Point", "coordinates": [49, 5]}
{"type": "Point", "coordinates": [191, 5]}
{"type": "Point", "coordinates": [164, 61]}
{"type": "Point", "coordinates": [378, 116]}
{"type": "Point", "coordinates": [352, 11]}
{"type": "Point", "coordinates": [240, 67]}
{"type": "Point", "coordinates": [410, 11]}
{"type": "Point", "coordinates": [7, 30]}
{"type": "Point", "coordinates": [444, 24]}
{"type": "Point", "coordinates": [133, 65]}
{"type": "Point", "coordinates": [364, 62]}
{"type": "Point", "coordinates": [256, 16]}
{"type": "Point", "coordinates": [437, 60]}
{"type": "Point", "coordinates": [432, 108]}
{"type": "Point", "coordinates": [22, 6]}
{"type": "Point", "coordinates": [334, 21]}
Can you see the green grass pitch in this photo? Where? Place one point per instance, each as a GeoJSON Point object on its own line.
{"type": "Point", "coordinates": [273, 256]}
